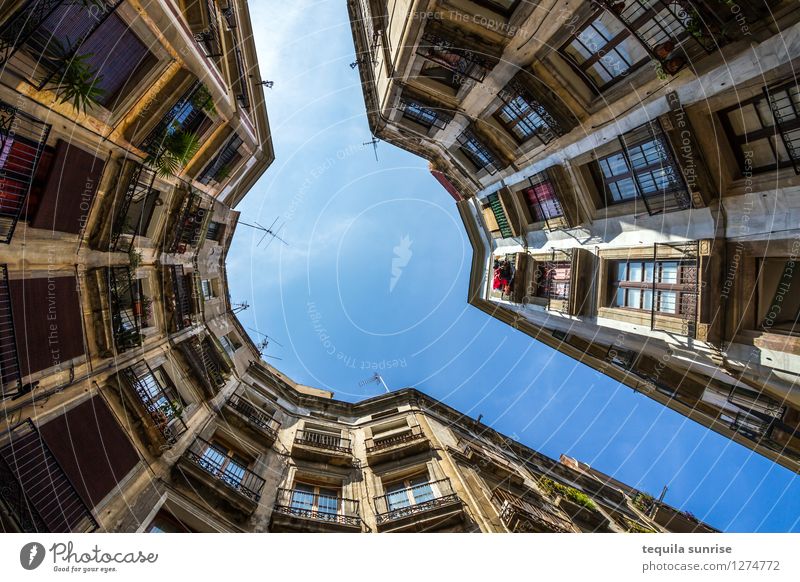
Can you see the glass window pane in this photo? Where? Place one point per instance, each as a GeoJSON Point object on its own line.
{"type": "Point", "coordinates": [635, 271]}
{"type": "Point", "coordinates": [634, 298]}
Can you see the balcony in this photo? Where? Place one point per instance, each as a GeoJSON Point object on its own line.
{"type": "Point", "coordinates": [9, 357]}
{"type": "Point", "coordinates": [523, 515]}
{"type": "Point", "coordinates": [133, 212]}
{"type": "Point", "coordinates": [220, 168]}
{"type": "Point", "coordinates": [158, 403]}
{"type": "Point", "coordinates": [189, 115]}
{"type": "Point", "coordinates": [179, 298]}
{"type": "Point", "coordinates": [322, 447]}
{"type": "Point", "coordinates": [36, 493]}
{"type": "Point", "coordinates": [303, 511]}
{"type": "Point", "coordinates": [425, 507]}
{"type": "Point", "coordinates": [207, 363]}
{"type": "Point", "coordinates": [250, 417]}
{"type": "Point", "coordinates": [126, 308]}
{"type": "Point", "coordinates": [189, 228]}
{"type": "Point", "coordinates": [22, 140]}
{"type": "Point", "coordinates": [396, 446]}
{"type": "Point", "coordinates": [222, 476]}
{"type": "Point", "coordinates": [676, 292]}
{"type": "Point", "coordinates": [201, 16]}
{"type": "Point", "coordinates": [486, 460]}
{"type": "Point", "coordinates": [468, 66]}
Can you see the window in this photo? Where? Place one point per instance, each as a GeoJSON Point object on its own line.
{"type": "Point", "coordinates": [542, 199]}
{"type": "Point", "coordinates": [407, 492]}
{"type": "Point", "coordinates": [778, 295]}
{"type": "Point", "coordinates": [225, 464]}
{"type": "Point", "coordinates": [324, 501]}
{"type": "Point", "coordinates": [224, 163]}
{"type": "Point", "coordinates": [230, 343]}
{"type": "Point", "coordinates": [156, 391]}
{"type": "Point", "coordinates": [214, 230]}
{"type": "Point", "coordinates": [208, 289]}
{"type": "Point", "coordinates": [555, 279]}
{"type": "Point", "coordinates": [504, 7]}
{"type": "Point", "coordinates": [525, 117]}
{"type": "Point", "coordinates": [165, 522]}
{"type": "Point", "coordinates": [667, 287]}
{"type": "Point", "coordinates": [758, 142]}
{"type": "Point", "coordinates": [644, 168]}
{"type": "Point", "coordinates": [477, 153]}
{"type": "Point", "coordinates": [425, 115]}
{"type": "Point", "coordinates": [604, 50]}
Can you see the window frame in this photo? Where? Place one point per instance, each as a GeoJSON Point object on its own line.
{"type": "Point", "coordinates": [655, 287]}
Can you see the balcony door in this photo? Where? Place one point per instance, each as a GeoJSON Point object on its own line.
{"type": "Point", "coordinates": [314, 499]}
{"type": "Point", "coordinates": [409, 492]}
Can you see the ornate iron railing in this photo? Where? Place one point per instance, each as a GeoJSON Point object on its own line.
{"type": "Point", "coordinates": [50, 33]}
{"type": "Point", "coordinates": [558, 280]}
{"type": "Point", "coordinates": [243, 96]}
{"type": "Point", "coordinates": [783, 104]}
{"type": "Point", "coordinates": [37, 493]}
{"type": "Point", "coordinates": [323, 440]}
{"type": "Point", "coordinates": [522, 515]}
{"type": "Point", "coordinates": [10, 373]}
{"type": "Point", "coordinates": [222, 165]}
{"type": "Point", "coordinates": [685, 287]}
{"type": "Point", "coordinates": [465, 63]}
{"type": "Point", "coordinates": [124, 296]}
{"type": "Point", "coordinates": [254, 415]}
{"type": "Point", "coordinates": [139, 189]}
{"type": "Point", "coordinates": [224, 469]}
{"type": "Point", "coordinates": [530, 112]}
{"type": "Point", "coordinates": [415, 500]}
{"type": "Point", "coordinates": [22, 140]}
{"type": "Point", "coordinates": [476, 152]}
{"type": "Point", "coordinates": [208, 39]}
{"type": "Point", "coordinates": [424, 114]}
{"type": "Point", "coordinates": [543, 195]}
{"type": "Point", "coordinates": [189, 230]}
{"type": "Point", "coordinates": [203, 357]}
{"type": "Point", "coordinates": [414, 433]}
{"type": "Point", "coordinates": [183, 312]}
{"type": "Point", "coordinates": [317, 507]}
{"type": "Point", "coordinates": [163, 408]}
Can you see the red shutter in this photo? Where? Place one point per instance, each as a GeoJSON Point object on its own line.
{"type": "Point", "coordinates": [92, 449]}
{"type": "Point", "coordinates": [47, 321]}
{"type": "Point", "coordinates": [69, 191]}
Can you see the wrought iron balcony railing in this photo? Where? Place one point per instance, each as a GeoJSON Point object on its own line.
{"type": "Point", "coordinates": [224, 163]}
{"type": "Point", "coordinates": [558, 281]}
{"type": "Point", "coordinates": [124, 296]}
{"type": "Point", "coordinates": [675, 288]}
{"type": "Point", "coordinates": [322, 440]}
{"type": "Point", "coordinates": [190, 228]}
{"type": "Point", "coordinates": [254, 415]}
{"type": "Point", "coordinates": [465, 63]}
{"type": "Point", "coordinates": [242, 96]}
{"type": "Point", "coordinates": [9, 357]}
{"type": "Point", "coordinates": [204, 358]}
{"type": "Point", "coordinates": [182, 292]}
{"type": "Point", "coordinates": [415, 500]}
{"type": "Point", "coordinates": [522, 515]}
{"type": "Point", "coordinates": [414, 433]}
{"type": "Point", "coordinates": [22, 140]}
{"type": "Point", "coordinates": [36, 492]}
{"type": "Point", "coordinates": [139, 194]}
{"type": "Point", "coordinates": [208, 38]}
{"type": "Point", "coordinates": [224, 469]}
{"type": "Point", "coordinates": [317, 507]}
{"type": "Point", "coordinates": [159, 401]}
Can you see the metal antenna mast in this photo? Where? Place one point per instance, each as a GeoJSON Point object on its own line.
{"type": "Point", "coordinates": [267, 232]}
{"type": "Point", "coordinates": [377, 379]}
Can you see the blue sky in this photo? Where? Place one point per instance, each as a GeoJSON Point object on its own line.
{"type": "Point", "coordinates": [329, 295]}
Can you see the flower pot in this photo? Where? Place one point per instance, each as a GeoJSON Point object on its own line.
{"type": "Point", "coordinates": [674, 65]}
{"type": "Point", "coordinates": [664, 49]}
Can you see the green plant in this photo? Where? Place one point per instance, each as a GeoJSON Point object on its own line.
{"type": "Point", "coordinates": [222, 174]}
{"type": "Point", "coordinates": [72, 79]}
{"type": "Point", "coordinates": [176, 151]}
{"type": "Point", "coordinates": [135, 258]}
{"type": "Point", "coordinates": [643, 502]}
{"type": "Point", "coordinates": [660, 72]}
{"type": "Point", "coordinates": [577, 497]}
{"type": "Point", "coordinates": [635, 527]}
{"type": "Point", "coordinates": [201, 99]}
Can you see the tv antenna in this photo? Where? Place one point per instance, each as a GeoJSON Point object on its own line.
{"type": "Point", "coordinates": [376, 379]}
{"type": "Point", "coordinates": [268, 232]}
{"type": "Point", "coordinates": [264, 344]}
{"type": "Point", "coordinates": [374, 143]}
{"type": "Point", "coordinates": [239, 307]}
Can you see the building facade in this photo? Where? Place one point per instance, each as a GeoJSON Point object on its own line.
{"type": "Point", "coordinates": [627, 172]}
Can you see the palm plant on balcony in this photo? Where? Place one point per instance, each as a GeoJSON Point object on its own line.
{"type": "Point", "coordinates": [71, 77]}
{"type": "Point", "coordinates": [175, 152]}
{"type": "Point", "coordinates": [201, 99]}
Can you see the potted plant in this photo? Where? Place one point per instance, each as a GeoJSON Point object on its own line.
{"type": "Point", "coordinates": [664, 49]}
{"type": "Point", "coordinates": [71, 78]}
{"type": "Point", "coordinates": [175, 152]}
